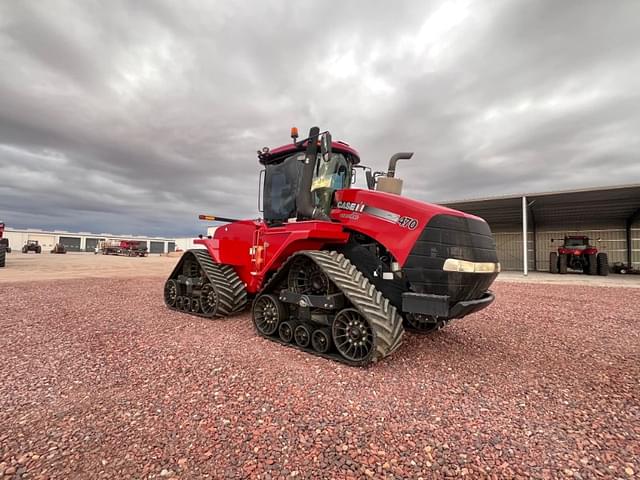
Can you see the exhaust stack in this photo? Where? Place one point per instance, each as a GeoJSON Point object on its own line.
{"type": "Point", "coordinates": [390, 184]}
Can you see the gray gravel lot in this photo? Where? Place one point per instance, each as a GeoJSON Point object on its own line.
{"type": "Point", "coordinates": [99, 380]}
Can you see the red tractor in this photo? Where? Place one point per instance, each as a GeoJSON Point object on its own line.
{"type": "Point", "coordinates": [576, 253]}
{"type": "Point", "coordinates": [333, 270]}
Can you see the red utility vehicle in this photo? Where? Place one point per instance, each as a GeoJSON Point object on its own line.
{"type": "Point", "coordinates": [577, 253]}
{"type": "Point", "coordinates": [334, 270]}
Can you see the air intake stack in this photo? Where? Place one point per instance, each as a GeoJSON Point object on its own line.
{"type": "Point", "coordinates": [390, 184]}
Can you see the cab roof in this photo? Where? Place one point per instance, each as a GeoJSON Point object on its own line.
{"type": "Point", "coordinates": [277, 154]}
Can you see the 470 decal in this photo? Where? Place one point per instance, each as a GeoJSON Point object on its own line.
{"type": "Point", "coordinates": [408, 222]}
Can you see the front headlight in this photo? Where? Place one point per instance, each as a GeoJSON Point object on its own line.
{"type": "Point", "coordinates": [464, 266]}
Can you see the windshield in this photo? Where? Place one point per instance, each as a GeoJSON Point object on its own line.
{"type": "Point", "coordinates": [282, 180]}
{"type": "Point", "coordinates": [576, 242]}
{"type": "Point", "coordinates": [329, 177]}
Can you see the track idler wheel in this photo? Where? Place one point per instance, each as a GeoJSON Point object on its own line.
{"type": "Point", "coordinates": [307, 277]}
{"type": "Point", "coordinates": [302, 335]}
{"type": "Point", "coordinates": [352, 335]}
{"type": "Point", "coordinates": [285, 331]}
{"type": "Point", "coordinates": [321, 340]}
{"type": "Point", "coordinates": [268, 312]}
{"type": "Point", "coordinates": [170, 292]}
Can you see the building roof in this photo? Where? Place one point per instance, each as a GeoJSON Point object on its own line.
{"type": "Point", "coordinates": [611, 205]}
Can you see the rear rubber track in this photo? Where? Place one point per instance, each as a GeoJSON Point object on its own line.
{"type": "Point", "coordinates": [232, 295]}
{"type": "Point", "coordinates": [383, 318]}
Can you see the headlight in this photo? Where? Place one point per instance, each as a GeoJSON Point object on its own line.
{"type": "Point", "coordinates": [455, 265]}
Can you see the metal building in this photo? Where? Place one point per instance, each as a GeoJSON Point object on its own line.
{"type": "Point", "coordinates": [610, 216]}
{"type": "Point", "coordinates": [81, 241]}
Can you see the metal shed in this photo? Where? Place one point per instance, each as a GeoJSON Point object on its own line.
{"type": "Point", "coordinates": [608, 215]}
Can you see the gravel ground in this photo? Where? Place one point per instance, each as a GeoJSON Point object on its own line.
{"type": "Point", "coordinates": [99, 380]}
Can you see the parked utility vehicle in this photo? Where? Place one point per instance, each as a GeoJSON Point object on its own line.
{"type": "Point", "coordinates": [577, 253]}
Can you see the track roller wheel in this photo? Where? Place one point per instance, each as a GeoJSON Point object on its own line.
{"type": "Point", "coordinates": [321, 340]}
{"type": "Point", "coordinates": [209, 300]}
{"type": "Point", "coordinates": [179, 302]}
{"type": "Point", "coordinates": [268, 312]}
{"type": "Point", "coordinates": [421, 323]}
{"type": "Point", "coordinates": [302, 335]}
{"type": "Point", "coordinates": [195, 305]}
{"type": "Point", "coordinates": [352, 335]}
{"type": "Point", "coordinates": [186, 304]}
{"type": "Point", "coordinates": [285, 331]}
{"type": "Point", "coordinates": [170, 292]}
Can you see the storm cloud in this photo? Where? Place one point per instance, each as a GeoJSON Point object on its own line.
{"type": "Point", "coordinates": [136, 116]}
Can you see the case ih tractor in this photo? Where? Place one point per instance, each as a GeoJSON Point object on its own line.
{"type": "Point", "coordinates": [576, 253]}
{"type": "Point", "coordinates": [4, 246]}
{"type": "Point", "coordinates": [333, 270]}
{"type": "Point", "coordinates": [31, 246]}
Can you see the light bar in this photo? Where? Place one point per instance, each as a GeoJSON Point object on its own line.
{"type": "Point", "coordinates": [464, 266]}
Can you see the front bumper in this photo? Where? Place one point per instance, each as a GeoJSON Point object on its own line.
{"type": "Point", "coordinates": [440, 306]}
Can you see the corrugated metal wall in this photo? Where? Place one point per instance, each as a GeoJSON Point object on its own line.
{"type": "Point", "coordinates": [613, 241]}
{"type": "Point", "coordinates": [509, 248]}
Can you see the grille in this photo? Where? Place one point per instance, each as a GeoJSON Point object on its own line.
{"type": "Point", "coordinates": [448, 236]}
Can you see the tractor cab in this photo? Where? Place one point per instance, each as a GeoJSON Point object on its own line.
{"type": "Point", "coordinates": [300, 178]}
{"type": "Point", "coordinates": [576, 242]}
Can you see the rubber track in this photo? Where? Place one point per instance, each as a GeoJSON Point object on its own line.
{"type": "Point", "coordinates": [383, 317]}
{"type": "Point", "coordinates": [232, 296]}
{"type": "Point", "coordinates": [3, 256]}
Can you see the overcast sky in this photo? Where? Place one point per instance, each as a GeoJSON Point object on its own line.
{"type": "Point", "coordinates": [133, 117]}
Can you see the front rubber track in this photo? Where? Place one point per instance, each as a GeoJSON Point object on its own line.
{"type": "Point", "coordinates": [384, 319]}
{"type": "Point", "coordinates": [231, 291]}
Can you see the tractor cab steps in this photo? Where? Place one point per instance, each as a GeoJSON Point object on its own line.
{"type": "Point", "coordinates": [201, 287]}
{"type": "Point", "coordinates": [359, 329]}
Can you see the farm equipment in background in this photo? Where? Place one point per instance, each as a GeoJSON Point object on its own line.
{"type": "Point", "coordinates": [59, 248]}
{"type": "Point", "coordinates": [333, 270]}
{"type": "Point", "coordinates": [577, 253]}
{"type": "Point", "coordinates": [127, 248]}
{"type": "Point", "coordinates": [624, 269]}
{"type": "Point", "coordinates": [4, 246]}
{"type": "Point", "coordinates": [32, 246]}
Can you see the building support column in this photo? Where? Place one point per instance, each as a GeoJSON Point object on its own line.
{"type": "Point", "coordinates": [628, 224]}
{"type": "Point", "coordinates": [525, 249]}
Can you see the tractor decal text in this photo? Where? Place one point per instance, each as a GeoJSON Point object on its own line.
{"type": "Point", "coordinates": [354, 207]}
{"type": "Point", "coordinates": [408, 222]}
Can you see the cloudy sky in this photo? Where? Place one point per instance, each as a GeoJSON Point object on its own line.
{"type": "Point", "coordinates": [133, 117]}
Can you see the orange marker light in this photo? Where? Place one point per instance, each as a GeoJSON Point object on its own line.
{"type": "Point", "coordinates": [294, 132]}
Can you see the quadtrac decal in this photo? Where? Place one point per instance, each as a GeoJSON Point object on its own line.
{"type": "Point", "coordinates": [402, 220]}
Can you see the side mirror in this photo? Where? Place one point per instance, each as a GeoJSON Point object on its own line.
{"type": "Point", "coordinates": [353, 176]}
{"type": "Point", "coordinates": [371, 182]}
{"type": "Point", "coordinates": [260, 183]}
{"type": "Point", "coordinates": [325, 146]}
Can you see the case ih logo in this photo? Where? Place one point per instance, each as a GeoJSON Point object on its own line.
{"type": "Point", "coordinates": [405, 222]}
{"type": "Point", "coordinates": [354, 207]}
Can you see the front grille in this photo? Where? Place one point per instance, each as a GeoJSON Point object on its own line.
{"type": "Point", "coordinates": [448, 236]}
